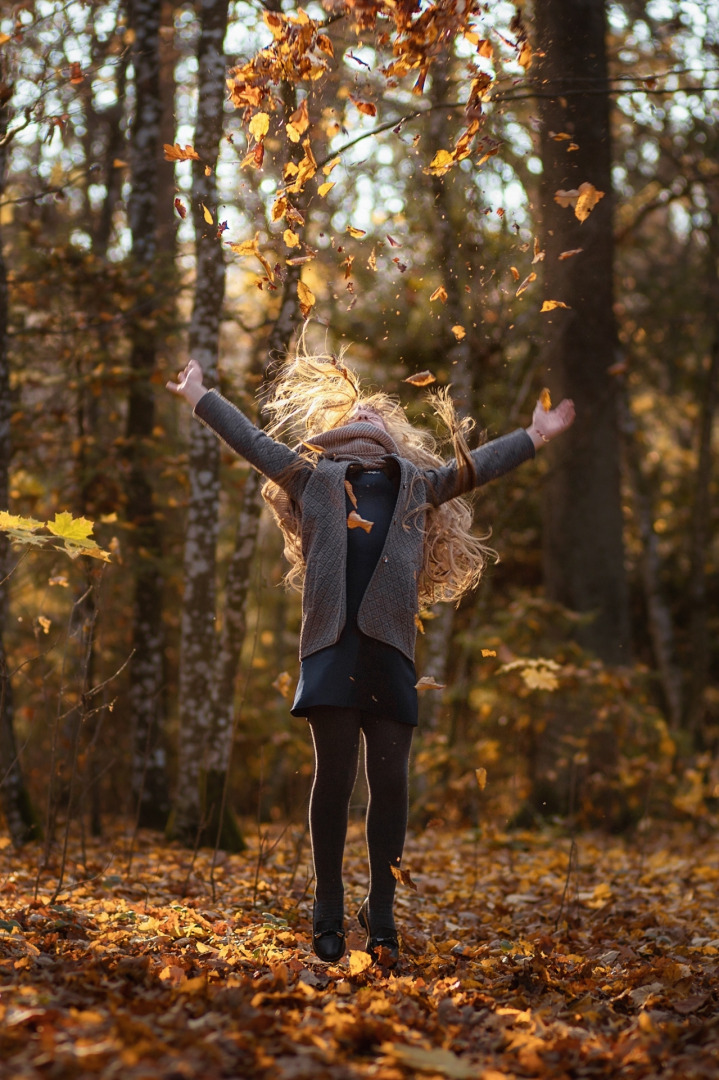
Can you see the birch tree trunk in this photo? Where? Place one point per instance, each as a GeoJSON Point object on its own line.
{"type": "Point", "coordinates": [196, 792]}
{"type": "Point", "coordinates": [149, 773]}
{"type": "Point", "coordinates": [583, 541]}
{"type": "Point", "coordinates": [14, 797]}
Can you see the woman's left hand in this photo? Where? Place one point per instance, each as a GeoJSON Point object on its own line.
{"type": "Point", "coordinates": [548, 423]}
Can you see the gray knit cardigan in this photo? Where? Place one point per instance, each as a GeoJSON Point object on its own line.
{"type": "Point", "coordinates": [388, 608]}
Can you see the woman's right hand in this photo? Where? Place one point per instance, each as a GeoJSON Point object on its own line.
{"type": "Point", "coordinates": [189, 383]}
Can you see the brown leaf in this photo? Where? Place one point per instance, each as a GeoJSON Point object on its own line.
{"type": "Point", "coordinates": [403, 877]}
{"type": "Point", "coordinates": [568, 254]}
{"type": "Point", "coordinates": [354, 521]}
{"type": "Point", "coordinates": [306, 297]}
{"type": "Point", "coordinates": [481, 775]}
{"type": "Point", "coordinates": [283, 683]}
{"type": "Point", "coordinates": [459, 332]}
{"type": "Point", "coordinates": [365, 107]}
{"type": "Point", "coordinates": [527, 281]}
{"type": "Point", "coordinates": [179, 153]}
{"type": "Point", "coordinates": [427, 682]}
{"type": "Point", "coordinates": [350, 493]}
{"type": "Point", "coordinates": [422, 378]}
{"type": "Point", "coordinates": [439, 294]}
{"type": "Point", "coordinates": [181, 208]}
{"type": "Point", "coordinates": [550, 305]}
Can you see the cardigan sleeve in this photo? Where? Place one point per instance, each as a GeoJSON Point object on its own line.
{"type": "Point", "coordinates": [491, 460]}
{"type": "Point", "coordinates": [273, 459]}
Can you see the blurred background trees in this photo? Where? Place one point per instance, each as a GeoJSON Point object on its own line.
{"type": "Point", "coordinates": [392, 176]}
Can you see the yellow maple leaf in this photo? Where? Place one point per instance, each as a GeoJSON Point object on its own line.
{"type": "Point", "coordinates": [67, 527]}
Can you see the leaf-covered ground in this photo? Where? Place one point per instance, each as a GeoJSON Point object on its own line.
{"type": "Point", "coordinates": [515, 963]}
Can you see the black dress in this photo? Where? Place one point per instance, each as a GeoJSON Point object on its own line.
{"type": "Point", "coordinates": [359, 672]}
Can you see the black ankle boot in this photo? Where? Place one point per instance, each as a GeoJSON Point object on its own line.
{"type": "Point", "coordinates": [382, 944]}
{"type": "Point", "coordinates": [328, 939]}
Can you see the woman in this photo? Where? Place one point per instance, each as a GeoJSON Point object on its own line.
{"type": "Point", "coordinates": [374, 525]}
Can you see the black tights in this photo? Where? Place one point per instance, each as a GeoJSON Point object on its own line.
{"type": "Point", "coordinates": [336, 736]}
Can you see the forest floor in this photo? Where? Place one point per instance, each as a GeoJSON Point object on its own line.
{"type": "Point", "coordinates": [524, 954]}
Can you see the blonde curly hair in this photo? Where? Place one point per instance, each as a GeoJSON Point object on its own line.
{"type": "Point", "coordinates": [315, 393]}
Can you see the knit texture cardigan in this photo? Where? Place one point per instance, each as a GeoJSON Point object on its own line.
{"type": "Point", "coordinates": [389, 606]}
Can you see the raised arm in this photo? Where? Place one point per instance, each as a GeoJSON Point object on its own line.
{"type": "Point", "coordinates": [500, 456]}
{"type": "Point", "coordinates": [269, 457]}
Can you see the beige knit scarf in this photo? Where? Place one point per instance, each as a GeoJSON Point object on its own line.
{"type": "Point", "coordinates": [362, 442]}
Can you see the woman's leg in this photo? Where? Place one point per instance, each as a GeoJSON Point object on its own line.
{"type": "Point", "coordinates": [387, 746]}
{"type": "Point", "coordinates": [336, 736]}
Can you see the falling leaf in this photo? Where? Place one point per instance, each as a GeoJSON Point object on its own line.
{"type": "Point", "coordinates": [298, 123]}
{"type": "Point", "coordinates": [545, 399]}
{"type": "Point", "coordinates": [588, 199]}
{"type": "Point", "coordinates": [427, 682]}
{"type": "Point", "coordinates": [118, 163]}
{"type": "Point", "coordinates": [550, 305]}
{"type": "Point", "coordinates": [525, 56]}
{"type": "Point", "coordinates": [568, 254]}
{"type": "Point", "coordinates": [618, 369]}
{"type": "Point", "coordinates": [327, 169]}
{"type": "Point", "coordinates": [359, 961]}
{"type": "Point", "coordinates": [283, 683]}
{"type": "Point", "coordinates": [365, 107]}
{"type": "Point", "coordinates": [354, 521]}
{"type": "Point", "coordinates": [313, 448]}
{"type": "Point", "coordinates": [538, 253]}
{"type": "Point", "coordinates": [481, 775]}
{"type": "Point", "coordinates": [207, 215]}
{"type": "Point", "coordinates": [290, 238]}
{"type": "Point", "coordinates": [459, 332]}
{"type": "Point", "coordinates": [179, 153]}
{"type": "Point", "coordinates": [59, 579]}
{"type": "Point", "coordinates": [439, 294]}
{"type": "Point", "coordinates": [4, 38]}
{"type": "Point", "coordinates": [350, 494]}
{"type": "Point", "coordinates": [441, 163]}
{"type": "Point", "coordinates": [514, 272]}
{"type": "Point", "coordinates": [422, 378]}
{"type": "Point", "coordinates": [527, 281]}
{"type": "Point", "coordinates": [324, 189]}
{"type": "Point", "coordinates": [403, 877]}
{"type": "Point", "coordinates": [259, 125]}
{"type": "Point", "coordinates": [560, 136]}
{"type": "Point", "coordinates": [325, 44]}
{"type": "Point", "coordinates": [489, 652]}
{"type": "Point", "coordinates": [44, 623]}
{"type": "Point", "coordinates": [393, 242]}
{"type": "Point", "coordinates": [181, 208]}
{"type": "Point", "coordinates": [357, 233]}
{"type": "Point", "coordinates": [418, 623]}
{"type": "Point", "coordinates": [583, 199]}
{"type": "Point", "coordinates": [306, 297]}
{"type": "Point", "coordinates": [76, 73]}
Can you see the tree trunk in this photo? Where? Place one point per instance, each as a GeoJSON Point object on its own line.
{"type": "Point", "coordinates": [198, 647]}
{"type": "Point", "coordinates": [583, 542]}
{"type": "Point", "coordinates": [15, 800]}
{"type": "Point", "coordinates": [149, 773]}
{"type": "Point", "coordinates": [660, 624]}
{"type": "Point", "coordinates": [699, 539]}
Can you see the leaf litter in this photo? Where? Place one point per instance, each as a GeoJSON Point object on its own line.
{"type": "Point", "coordinates": [523, 955]}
